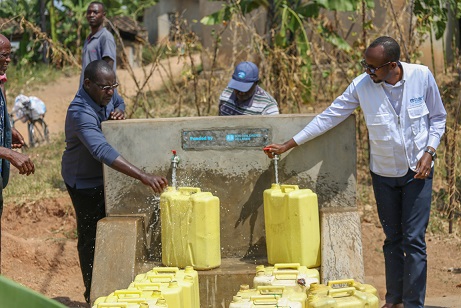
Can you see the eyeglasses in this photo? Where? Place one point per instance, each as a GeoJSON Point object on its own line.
{"type": "Point", "coordinates": [105, 88]}
{"type": "Point", "coordinates": [373, 69]}
{"type": "Point", "coordinates": [5, 55]}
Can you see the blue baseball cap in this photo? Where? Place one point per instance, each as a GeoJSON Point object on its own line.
{"type": "Point", "coordinates": [245, 75]}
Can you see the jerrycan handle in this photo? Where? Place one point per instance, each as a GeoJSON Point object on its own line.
{"type": "Point", "coordinates": [121, 293]}
{"type": "Point", "coordinates": [189, 190]}
{"type": "Point", "coordinates": [160, 277]}
{"type": "Point", "coordinates": [162, 270]}
{"type": "Point", "coordinates": [287, 188]}
{"type": "Point", "coordinates": [348, 282]}
{"type": "Point", "coordinates": [337, 292]}
{"type": "Point", "coordinates": [286, 266]}
{"type": "Point", "coordinates": [270, 290]}
{"type": "Point", "coordinates": [145, 285]}
{"type": "Point", "coordinates": [285, 274]}
{"type": "Point", "coordinates": [264, 299]}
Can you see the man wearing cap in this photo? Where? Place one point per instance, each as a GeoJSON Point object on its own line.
{"type": "Point", "coordinates": [243, 96]}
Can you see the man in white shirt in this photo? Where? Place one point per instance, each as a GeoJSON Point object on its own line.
{"type": "Point", "coordinates": [406, 119]}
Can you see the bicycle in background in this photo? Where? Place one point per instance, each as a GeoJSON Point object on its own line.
{"type": "Point", "coordinates": [34, 119]}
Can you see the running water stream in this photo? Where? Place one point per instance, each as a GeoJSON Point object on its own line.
{"type": "Point", "coordinates": [276, 159]}
{"type": "Point", "coordinates": [175, 162]}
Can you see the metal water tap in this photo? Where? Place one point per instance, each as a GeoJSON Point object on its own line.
{"type": "Point", "coordinates": [275, 158]}
{"type": "Point", "coordinates": [174, 159]}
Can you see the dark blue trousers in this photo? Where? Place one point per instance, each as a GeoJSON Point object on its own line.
{"type": "Point", "coordinates": [89, 206]}
{"type": "Point", "coordinates": [1, 197]}
{"type": "Point", "coordinates": [404, 205]}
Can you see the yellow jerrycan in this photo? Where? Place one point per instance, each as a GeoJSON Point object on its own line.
{"type": "Point", "coordinates": [290, 275]}
{"type": "Point", "coordinates": [268, 297]}
{"type": "Point", "coordinates": [362, 287]}
{"type": "Point", "coordinates": [342, 298]}
{"type": "Point", "coordinates": [187, 274]}
{"type": "Point", "coordinates": [190, 227]}
{"type": "Point", "coordinates": [124, 298]}
{"type": "Point", "coordinates": [291, 217]}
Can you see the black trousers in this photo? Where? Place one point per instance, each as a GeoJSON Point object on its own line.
{"type": "Point", "coordinates": [89, 206]}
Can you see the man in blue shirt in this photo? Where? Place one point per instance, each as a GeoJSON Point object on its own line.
{"type": "Point", "coordinates": [87, 149]}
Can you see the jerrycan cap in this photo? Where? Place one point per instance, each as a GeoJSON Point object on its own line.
{"type": "Point", "coordinates": [244, 287]}
{"type": "Point", "coordinates": [236, 298]}
{"type": "Point", "coordinates": [161, 302]}
{"type": "Point", "coordinates": [188, 269]}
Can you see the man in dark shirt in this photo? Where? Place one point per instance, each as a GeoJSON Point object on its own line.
{"type": "Point", "coordinates": [87, 149]}
{"type": "Point", "coordinates": [100, 43]}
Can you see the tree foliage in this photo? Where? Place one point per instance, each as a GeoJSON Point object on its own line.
{"type": "Point", "coordinates": [288, 22]}
{"type": "Point", "coordinates": [433, 14]}
{"type": "Point", "coordinates": [64, 22]}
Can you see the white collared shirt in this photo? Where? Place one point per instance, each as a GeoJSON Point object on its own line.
{"type": "Point", "coordinates": [397, 139]}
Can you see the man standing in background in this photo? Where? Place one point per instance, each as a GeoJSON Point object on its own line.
{"type": "Point", "coordinates": [243, 96]}
{"type": "Point", "coordinates": [100, 44]}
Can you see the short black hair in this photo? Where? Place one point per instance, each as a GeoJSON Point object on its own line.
{"type": "Point", "coordinates": [94, 69]}
{"type": "Point", "coordinates": [99, 3]}
{"type": "Point", "coordinates": [391, 47]}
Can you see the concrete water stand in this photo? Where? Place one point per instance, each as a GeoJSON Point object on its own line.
{"type": "Point", "coordinates": [224, 156]}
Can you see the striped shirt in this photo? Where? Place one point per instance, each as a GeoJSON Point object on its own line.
{"type": "Point", "coordinates": [260, 103]}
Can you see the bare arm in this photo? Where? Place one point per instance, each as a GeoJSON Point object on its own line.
{"type": "Point", "coordinates": [157, 183]}
{"type": "Point", "coordinates": [20, 161]}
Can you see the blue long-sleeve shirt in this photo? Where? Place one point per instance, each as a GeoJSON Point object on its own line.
{"type": "Point", "coordinates": [86, 147]}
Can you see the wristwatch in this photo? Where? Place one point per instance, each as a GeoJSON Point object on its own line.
{"type": "Point", "coordinates": [432, 153]}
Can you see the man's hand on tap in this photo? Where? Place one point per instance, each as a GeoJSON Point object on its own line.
{"type": "Point", "coordinates": [277, 148]}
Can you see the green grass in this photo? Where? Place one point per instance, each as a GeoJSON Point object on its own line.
{"type": "Point", "coordinates": [46, 182]}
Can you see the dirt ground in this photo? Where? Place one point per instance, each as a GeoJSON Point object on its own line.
{"type": "Point", "coordinates": [39, 244]}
